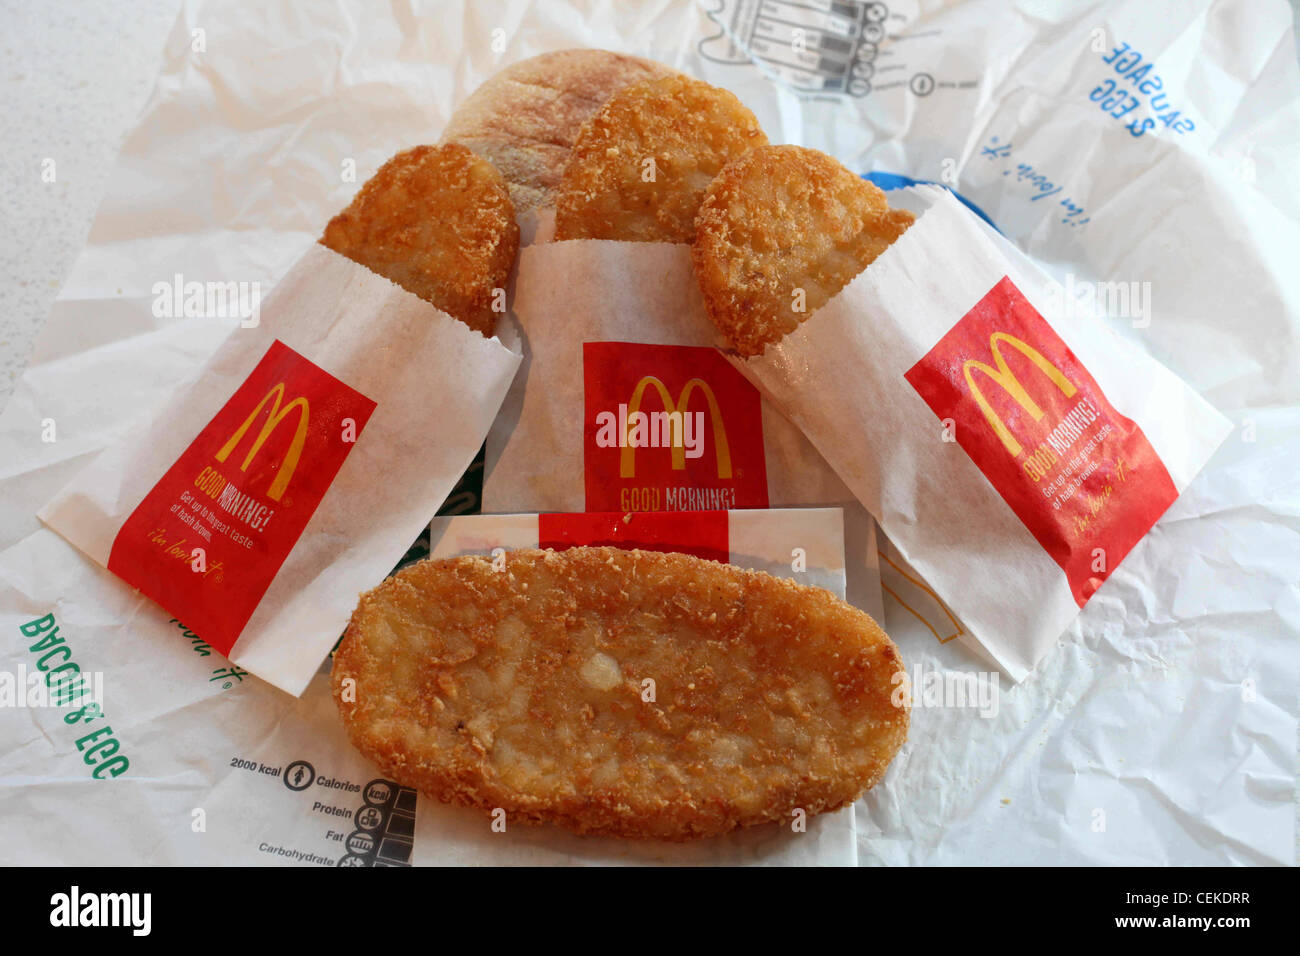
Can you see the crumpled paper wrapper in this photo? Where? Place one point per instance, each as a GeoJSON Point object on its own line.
{"type": "Point", "coordinates": [841, 376]}
{"type": "Point", "coordinates": [1162, 727]}
{"type": "Point", "coordinates": [403, 356]}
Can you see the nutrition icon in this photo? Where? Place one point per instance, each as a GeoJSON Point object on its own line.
{"type": "Point", "coordinates": [827, 47]}
{"type": "Point", "coordinates": [385, 826]}
{"type": "Point", "coordinates": [299, 775]}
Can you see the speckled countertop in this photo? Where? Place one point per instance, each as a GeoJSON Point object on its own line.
{"type": "Point", "coordinates": [73, 77]}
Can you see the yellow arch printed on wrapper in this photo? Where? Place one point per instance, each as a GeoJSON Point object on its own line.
{"type": "Point", "coordinates": [1006, 379]}
{"type": "Point", "coordinates": [278, 414]}
{"type": "Point", "coordinates": [722, 451]}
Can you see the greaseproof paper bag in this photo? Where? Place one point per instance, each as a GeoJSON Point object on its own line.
{"type": "Point", "coordinates": [616, 330]}
{"type": "Point", "coordinates": [296, 469]}
{"type": "Point", "coordinates": [1012, 449]}
{"type": "Point", "coordinates": [759, 540]}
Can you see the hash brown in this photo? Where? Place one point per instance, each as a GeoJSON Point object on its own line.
{"type": "Point", "coordinates": [437, 221]}
{"type": "Point", "coordinates": [524, 688]}
{"type": "Point", "coordinates": [781, 231]}
{"type": "Point", "coordinates": [640, 166]}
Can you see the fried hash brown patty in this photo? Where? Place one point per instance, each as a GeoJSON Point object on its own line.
{"type": "Point", "coordinates": [779, 220]}
{"type": "Point", "coordinates": [610, 189]}
{"type": "Point", "coordinates": [525, 119]}
{"type": "Point", "coordinates": [436, 220]}
{"type": "Point", "coordinates": [628, 693]}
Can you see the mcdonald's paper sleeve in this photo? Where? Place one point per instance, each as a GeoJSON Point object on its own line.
{"type": "Point", "coordinates": [616, 343]}
{"type": "Point", "coordinates": [759, 540]}
{"type": "Point", "coordinates": [1013, 457]}
{"type": "Point", "coordinates": [295, 470]}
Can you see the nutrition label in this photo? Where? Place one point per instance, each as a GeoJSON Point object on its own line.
{"type": "Point", "coordinates": [817, 46]}
{"type": "Point", "coordinates": [306, 816]}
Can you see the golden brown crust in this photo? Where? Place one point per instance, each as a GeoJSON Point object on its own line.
{"type": "Point", "coordinates": [785, 227]}
{"type": "Point", "coordinates": [640, 167]}
{"type": "Point", "coordinates": [528, 689]}
{"type": "Point", "coordinates": [525, 119]}
{"type": "Point", "coordinates": [437, 221]}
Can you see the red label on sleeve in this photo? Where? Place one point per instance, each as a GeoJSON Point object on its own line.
{"type": "Point", "coordinates": [670, 428]}
{"type": "Point", "coordinates": [1081, 477]}
{"type": "Point", "coordinates": [206, 542]}
{"type": "Point", "coordinates": [701, 533]}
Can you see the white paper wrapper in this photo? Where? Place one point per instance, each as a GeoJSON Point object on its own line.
{"type": "Point", "coordinates": [841, 376]}
{"type": "Point", "coordinates": [624, 296]}
{"type": "Point", "coordinates": [759, 540]}
{"type": "Point", "coordinates": [434, 385]}
{"type": "Point", "coordinates": [221, 770]}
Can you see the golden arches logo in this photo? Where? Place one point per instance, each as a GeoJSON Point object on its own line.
{"type": "Point", "coordinates": [1007, 381]}
{"type": "Point", "coordinates": [275, 396]}
{"type": "Point", "coordinates": [677, 411]}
